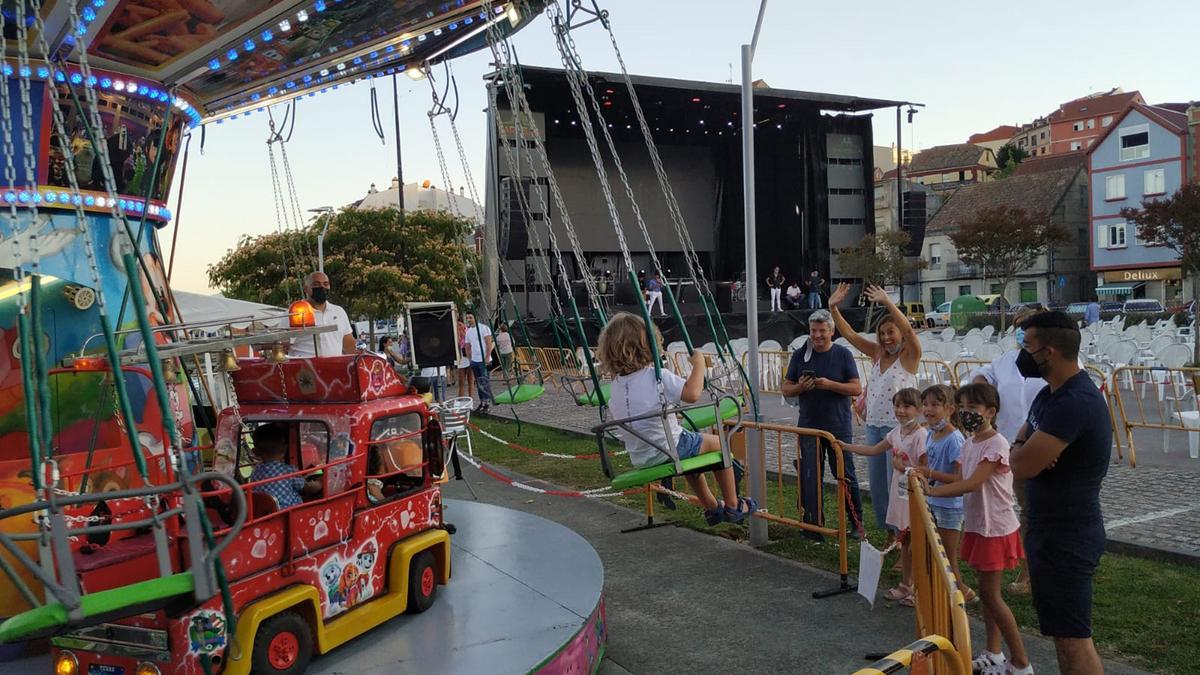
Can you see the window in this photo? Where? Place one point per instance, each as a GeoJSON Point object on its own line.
{"type": "Point", "coordinates": [1043, 136]}
{"type": "Point", "coordinates": [1081, 242]}
{"type": "Point", "coordinates": [1135, 142]}
{"type": "Point", "coordinates": [965, 289]}
{"type": "Point", "coordinates": [1028, 291]}
{"type": "Point", "coordinates": [935, 256]}
{"type": "Point", "coordinates": [996, 289]}
{"type": "Point", "coordinates": [1021, 142]}
{"type": "Point", "coordinates": [1091, 124]}
{"type": "Point", "coordinates": [962, 175]}
{"type": "Point", "coordinates": [1111, 235]}
{"type": "Point", "coordinates": [1114, 187]}
{"type": "Point", "coordinates": [1106, 121]}
{"type": "Point", "coordinates": [1076, 145]}
{"type": "Point", "coordinates": [1154, 182]}
{"type": "Point", "coordinates": [1078, 126]}
{"type": "Point", "coordinates": [937, 295]}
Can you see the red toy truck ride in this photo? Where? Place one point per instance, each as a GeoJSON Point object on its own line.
{"type": "Point", "coordinates": [369, 546]}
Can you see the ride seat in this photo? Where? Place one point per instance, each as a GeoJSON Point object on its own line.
{"type": "Point", "coordinates": [121, 550]}
{"type": "Point", "coordinates": [262, 504]}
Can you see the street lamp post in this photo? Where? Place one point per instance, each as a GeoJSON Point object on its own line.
{"type": "Point", "coordinates": [328, 211]}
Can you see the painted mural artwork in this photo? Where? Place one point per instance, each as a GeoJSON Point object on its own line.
{"type": "Point", "coordinates": [347, 582]}
{"type": "Point", "coordinates": [583, 653]}
{"type": "Point", "coordinates": [148, 33]}
{"type": "Point", "coordinates": [206, 632]}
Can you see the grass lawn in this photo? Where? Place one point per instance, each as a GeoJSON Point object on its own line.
{"type": "Point", "coordinates": [1146, 613]}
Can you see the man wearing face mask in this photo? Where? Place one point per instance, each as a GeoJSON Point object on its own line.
{"type": "Point", "coordinates": [333, 343]}
{"type": "Point", "coordinates": [823, 378]}
{"type": "Point", "coordinates": [1063, 451]}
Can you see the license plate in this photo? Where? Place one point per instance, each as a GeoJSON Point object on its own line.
{"type": "Point", "coordinates": [101, 669]}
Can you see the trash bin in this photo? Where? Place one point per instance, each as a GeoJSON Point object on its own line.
{"type": "Point", "coordinates": [1191, 420]}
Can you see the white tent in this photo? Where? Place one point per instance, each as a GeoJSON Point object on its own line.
{"type": "Point", "coordinates": [198, 308]}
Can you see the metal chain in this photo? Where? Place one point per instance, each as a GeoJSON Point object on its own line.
{"type": "Point", "coordinates": [695, 269]}
{"type": "Point", "coordinates": [577, 77]}
{"type": "Point", "coordinates": [305, 246]}
{"type": "Point", "coordinates": [437, 145]}
{"type": "Point", "coordinates": [514, 89]}
{"type": "Point", "coordinates": [282, 223]}
{"type": "Point", "coordinates": [10, 172]}
{"type": "Point", "coordinates": [24, 71]}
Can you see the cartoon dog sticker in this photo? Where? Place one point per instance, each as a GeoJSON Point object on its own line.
{"type": "Point", "coordinates": [331, 574]}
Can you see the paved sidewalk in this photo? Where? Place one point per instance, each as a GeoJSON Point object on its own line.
{"type": "Point", "coordinates": [682, 601]}
{"type": "Point", "coordinates": [1151, 510]}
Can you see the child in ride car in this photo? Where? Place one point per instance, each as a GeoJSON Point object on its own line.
{"type": "Point", "coordinates": [270, 447]}
{"type": "Point", "coordinates": [625, 353]}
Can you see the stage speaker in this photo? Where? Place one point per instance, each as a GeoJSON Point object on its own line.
{"type": "Point", "coordinates": [513, 236]}
{"type": "Point", "coordinates": [723, 294]}
{"type": "Point", "coordinates": [434, 335]}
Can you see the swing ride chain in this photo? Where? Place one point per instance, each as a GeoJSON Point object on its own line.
{"type": "Point", "coordinates": [304, 245]}
{"type": "Point", "coordinates": [501, 53]}
{"type": "Point", "coordinates": [440, 109]}
{"type": "Point", "coordinates": [282, 221]}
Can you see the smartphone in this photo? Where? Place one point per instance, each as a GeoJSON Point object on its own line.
{"type": "Point", "coordinates": [812, 374]}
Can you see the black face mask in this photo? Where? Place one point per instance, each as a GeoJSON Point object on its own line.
{"type": "Point", "coordinates": [319, 295]}
{"type": "Point", "coordinates": [1028, 366]}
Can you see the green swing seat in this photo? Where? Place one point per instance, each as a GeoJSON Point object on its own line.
{"type": "Point", "coordinates": [704, 418]}
{"type": "Point", "coordinates": [101, 606]}
{"type": "Point", "coordinates": [519, 394]}
{"type": "Point", "coordinates": [590, 398]}
{"type": "Point", "coordinates": [650, 474]}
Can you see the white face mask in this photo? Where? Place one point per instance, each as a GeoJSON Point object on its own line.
{"type": "Point", "coordinates": [894, 349]}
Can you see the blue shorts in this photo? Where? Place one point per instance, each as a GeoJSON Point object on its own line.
{"type": "Point", "coordinates": [688, 444]}
{"type": "Point", "coordinates": [946, 517]}
{"type": "Point", "coordinates": [1062, 564]}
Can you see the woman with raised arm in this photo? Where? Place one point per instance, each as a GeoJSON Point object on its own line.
{"type": "Point", "coordinates": [895, 357]}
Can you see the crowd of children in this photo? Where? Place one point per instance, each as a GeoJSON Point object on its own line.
{"type": "Point", "coordinates": [970, 494]}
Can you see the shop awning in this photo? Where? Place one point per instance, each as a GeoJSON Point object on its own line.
{"type": "Point", "coordinates": [1118, 289]}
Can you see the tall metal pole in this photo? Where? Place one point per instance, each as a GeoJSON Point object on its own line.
{"type": "Point", "coordinates": [899, 190]}
{"type": "Point", "coordinates": [754, 468]}
{"type": "Point", "coordinates": [399, 164]}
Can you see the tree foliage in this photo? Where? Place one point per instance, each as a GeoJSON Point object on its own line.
{"type": "Point", "coordinates": [1008, 157]}
{"type": "Point", "coordinates": [1174, 222]}
{"type": "Point", "coordinates": [879, 259]}
{"type": "Point", "coordinates": [376, 262]}
{"type": "Point", "coordinates": [1002, 241]}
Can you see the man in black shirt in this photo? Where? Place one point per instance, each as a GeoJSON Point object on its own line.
{"type": "Point", "coordinates": [1063, 451]}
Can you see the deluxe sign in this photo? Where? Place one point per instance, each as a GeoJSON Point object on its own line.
{"type": "Point", "coordinates": [1149, 274]}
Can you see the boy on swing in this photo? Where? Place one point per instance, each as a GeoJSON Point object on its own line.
{"type": "Point", "coordinates": [625, 354]}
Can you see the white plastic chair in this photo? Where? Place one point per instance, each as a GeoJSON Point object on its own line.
{"type": "Point", "coordinates": [972, 342]}
{"type": "Point", "coordinates": [455, 415]}
{"type": "Point", "coordinates": [770, 345]}
{"type": "Point", "coordinates": [988, 351]}
{"type": "Point", "coordinates": [947, 334]}
{"type": "Point", "coordinates": [987, 332]}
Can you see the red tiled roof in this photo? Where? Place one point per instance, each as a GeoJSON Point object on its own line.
{"type": "Point", "coordinates": [942, 157]}
{"type": "Point", "coordinates": [1042, 163]}
{"type": "Point", "coordinates": [1036, 193]}
{"type": "Point", "coordinates": [1000, 133]}
{"type": "Point", "coordinates": [1106, 104]}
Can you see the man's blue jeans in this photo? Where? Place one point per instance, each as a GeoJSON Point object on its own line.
{"type": "Point", "coordinates": [483, 382]}
{"type": "Point", "coordinates": [812, 471]}
{"type": "Point", "coordinates": [814, 301]}
{"type": "Point", "coordinates": [879, 476]}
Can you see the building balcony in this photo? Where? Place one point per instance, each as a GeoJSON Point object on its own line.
{"type": "Point", "coordinates": [957, 270]}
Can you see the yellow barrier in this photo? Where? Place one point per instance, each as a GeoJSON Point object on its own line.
{"type": "Point", "coordinates": [1171, 385]}
{"type": "Point", "coordinates": [779, 508]}
{"type": "Point", "coordinates": [1107, 387]}
{"type": "Point", "coordinates": [915, 658]}
{"type": "Point", "coordinates": [556, 361]}
{"type": "Point", "coordinates": [939, 603]}
{"type": "Point", "coordinates": [935, 371]}
{"type": "Point", "coordinates": [962, 369]}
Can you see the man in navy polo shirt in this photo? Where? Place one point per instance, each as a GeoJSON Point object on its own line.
{"type": "Point", "coordinates": [1063, 451]}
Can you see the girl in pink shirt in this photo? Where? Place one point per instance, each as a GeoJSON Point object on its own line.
{"type": "Point", "coordinates": [905, 448]}
{"type": "Point", "coordinates": [992, 539]}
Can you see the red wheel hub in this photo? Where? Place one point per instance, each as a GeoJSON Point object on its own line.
{"type": "Point", "coordinates": [283, 650]}
{"type": "Point", "coordinates": [427, 581]}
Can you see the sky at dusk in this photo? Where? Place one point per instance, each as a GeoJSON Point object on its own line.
{"type": "Point", "coordinates": [974, 65]}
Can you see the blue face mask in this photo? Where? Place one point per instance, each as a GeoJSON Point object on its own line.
{"type": "Point", "coordinates": [1019, 334]}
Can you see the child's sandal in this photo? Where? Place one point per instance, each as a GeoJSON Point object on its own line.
{"type": "Point", "coordinates": [714, 516]}
{"type": "Point", "coordinates": [746, 507]}
{"type": "Point", "coordinates": [908, 601]}
{"type": "Point", "coordinates": [900, 592]}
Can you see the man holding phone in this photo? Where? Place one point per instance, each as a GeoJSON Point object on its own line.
{"type": "Point", "coordinates": [823, 378]}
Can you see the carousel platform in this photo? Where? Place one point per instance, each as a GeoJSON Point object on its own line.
{"type": "Point", "coordinates": [525, 596]}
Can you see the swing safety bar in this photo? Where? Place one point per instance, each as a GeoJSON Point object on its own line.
{"type": "Point", "coordinates": [730, 427]}
{"type": "Point", "coordinates": [67, 591]}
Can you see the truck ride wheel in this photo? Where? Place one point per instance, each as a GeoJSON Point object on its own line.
{"type": "Point", "coordinates": [422, 582]}
{"type": "Point", "coordinates": [283, 644]}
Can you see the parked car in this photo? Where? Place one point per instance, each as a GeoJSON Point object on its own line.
{"type": "Point", "coordinates": [939, 316]}
{"type": "Point", "coordinates": [1111, 306]}
{"type": "Point", "coordinates": [915, 311]}
{"type": "Point", "coordinates": [1036, 306]}
{"type": "Point", "coordinates": [1143, 306]}
{"type": "Point", "coordinates": [1076, 309]}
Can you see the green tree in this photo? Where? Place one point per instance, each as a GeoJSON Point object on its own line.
{"type": "Point", "coordinates": [1002, 241]}
{"type": "Point", "coordinates": [1174, 222]}
{"type": "Point", "coordinates": [376, 260]}
{"type": "Point", "coordinates": [881, 259]}
{"type": "Point", "coordinates": [1008, 157]}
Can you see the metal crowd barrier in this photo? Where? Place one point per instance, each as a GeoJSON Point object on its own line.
{"type": "Point", "coordinates": [1172, 388]}
{"type": "Point", "coordinates": [1108, 388]}
{"type": "Point", "coordinates": [940, 608]}
{"type": "Point", "coordinates": [916, 657]}
{"type": "Point", "coordinates": [772, 366]}
{"type": "Point", "coordinates": [962, 369]}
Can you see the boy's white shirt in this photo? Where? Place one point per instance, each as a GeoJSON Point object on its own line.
{"type": "Point", "coordinates": [637, 394]}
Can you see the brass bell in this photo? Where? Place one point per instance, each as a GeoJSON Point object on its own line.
{"type": "Point", "coordinates": [229, 362]}
{"type": "Point", "coordinates": [277, 354]}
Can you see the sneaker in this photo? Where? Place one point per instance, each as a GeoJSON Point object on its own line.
{"type": "Point", "coordinates": [987, 663]}
{"type": "Point", "coordinates": [1013, 670]}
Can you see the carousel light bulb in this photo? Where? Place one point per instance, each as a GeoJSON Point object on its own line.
{"type": "Point", "coordinates": [76, 78]}
{"type": "Point", "coordinates": [43, 72]}
{"type": "Point", "coordinates": [231, 55]}
{"type": "Point", "coordinates": [267, 35]}
{"type": "Point", "coordinates": [285, 26]}
{"type": "Point", "coordinates": [319, 6]}
{"type": "Point", "coordinates": [248, 45]}
{"type": "Point", "coordinates": [302, 16]}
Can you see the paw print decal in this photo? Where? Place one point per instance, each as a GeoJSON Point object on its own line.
{"type": "Point", "coordinates": [263, 543]}
{"type": "Point", "coordinates": [320, 524]}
